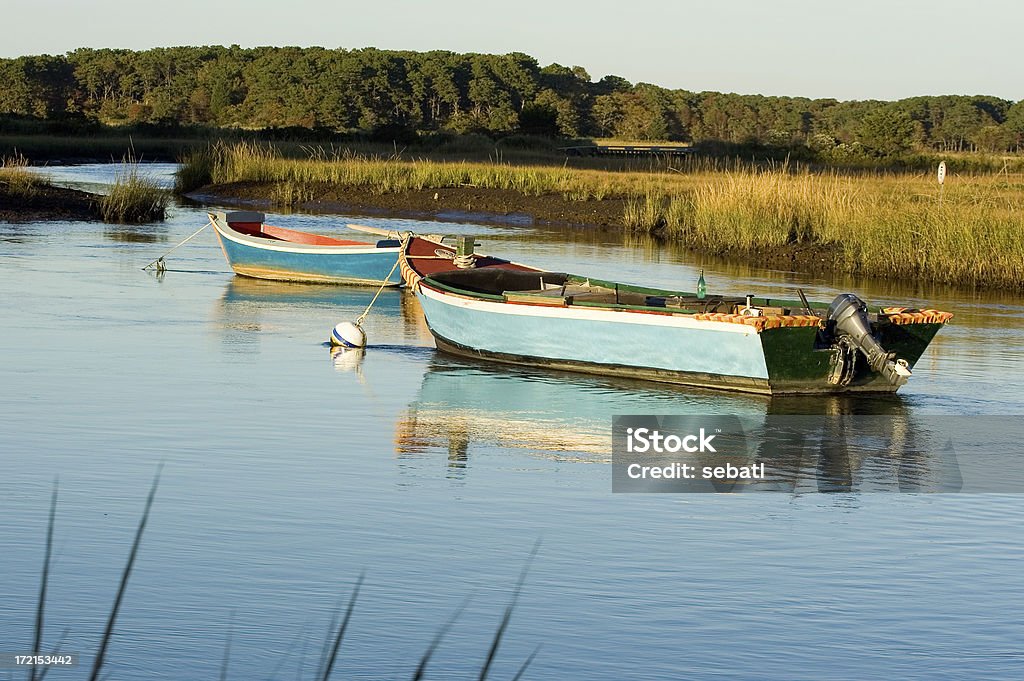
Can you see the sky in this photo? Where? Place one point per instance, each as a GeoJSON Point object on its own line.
{"type": "Point", "coordinates": [857, 49]}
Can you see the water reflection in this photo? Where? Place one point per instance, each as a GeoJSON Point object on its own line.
{"type": "Point", "coordinates": [794, 454]}
{"type": "Point", "coordinates": [349, 360]}
{"type": "Point", "coordinates": [249, 308]}
{"type": "Point", "coordinates": [553, 415]}
{"type": "Point", "coordinates": [136, 234]}
{"type": "Point", "coordinates": [817, 443]}
{"type": "Point", "coordinates": [897, 452]}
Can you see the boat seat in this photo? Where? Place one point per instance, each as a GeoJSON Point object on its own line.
{"type": "Point", "coordinates": [498, 281]}
{"type": "Point", "coordinates": [598, 296]}
{"type": "Point", "coordinates": [549, 295]}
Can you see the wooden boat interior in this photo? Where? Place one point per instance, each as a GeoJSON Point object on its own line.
{"type": "Point", "coordinates": [561, 289]}
{"type": "Point", "coordinates": [430, 258]}
{"type": "Point", "coordinates": [265, 231]}
{"type": "Point", "coordinates": [497, 280]}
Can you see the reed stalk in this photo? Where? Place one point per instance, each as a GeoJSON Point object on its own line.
{"type": "Point", "coordinates": [115, 609]}
{"type": "Point", "coordinates": [134, 198]}
{"type": "Point", "coordinates": [335, 632]}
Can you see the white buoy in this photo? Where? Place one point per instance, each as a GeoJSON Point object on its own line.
{"type": "Point", "coordinates": [349, 335]}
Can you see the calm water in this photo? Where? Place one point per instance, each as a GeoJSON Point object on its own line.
{"type": "Point", "coordinates": [288, 471]}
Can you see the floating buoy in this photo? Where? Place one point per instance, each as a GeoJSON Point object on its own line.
{"type": "Point", "coordinates": [348, 335]}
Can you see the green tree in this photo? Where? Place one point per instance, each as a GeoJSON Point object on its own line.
{"type": "Point", "coordinates": [887, 132]}
{"type": "Point", "coordinates": [539, 119]}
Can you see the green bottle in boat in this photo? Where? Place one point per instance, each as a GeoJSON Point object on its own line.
{"type": "Point", "coordinates": [702, 288]}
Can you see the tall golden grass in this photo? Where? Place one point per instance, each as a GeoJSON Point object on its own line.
{"type": "Point", "coordinates": [17, 180]}
{"type": "Point", "coordinates": [973, 233]}
{"type": "Point", "coordinates": [134, 198]}
{"type": "Point", "coordinates": [881, 225]}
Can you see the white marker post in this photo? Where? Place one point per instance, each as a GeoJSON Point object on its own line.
{"type": "Point", "coordinates": [942, 178]}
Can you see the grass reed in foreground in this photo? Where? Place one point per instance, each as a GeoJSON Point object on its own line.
{"type": "Point", "coordinates": [332, 642]}
{"type": "Point", "coordinates": [134, 198]}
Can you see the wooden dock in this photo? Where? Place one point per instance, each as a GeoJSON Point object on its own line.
{"type": "Point", "coordinates": [627, 150]}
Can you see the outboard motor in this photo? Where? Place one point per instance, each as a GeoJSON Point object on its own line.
{"type": "Point", "coordinates": [853, 331]}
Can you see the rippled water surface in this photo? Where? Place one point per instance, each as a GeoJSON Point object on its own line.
{"type": "Point", "coordinates": [288, 471]}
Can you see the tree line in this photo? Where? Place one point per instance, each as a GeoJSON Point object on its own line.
{"type": "Point", "coordinates": [402, 92]}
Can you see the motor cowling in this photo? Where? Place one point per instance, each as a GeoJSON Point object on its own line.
{"type": "Point", "coordinates": [851, 326]}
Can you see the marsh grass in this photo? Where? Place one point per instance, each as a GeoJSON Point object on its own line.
{"type": "Point", "coordinates": [195, 170]}
{"type": "Point", "coordinates": [323, 169]}
{"type": "Point", "coordinates": [888, 227]}
{"type": "Point", "coordinates": [134, 197]}
{"type": "Point", "coordinates": [17, 180]}
{"type": "Point", "coordinates": [880, 224]}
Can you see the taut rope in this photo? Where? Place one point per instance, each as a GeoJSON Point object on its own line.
{"type": "Point", "coordinates": [405, 241]}
{"type": "Point", "coordinates": [159, 262]}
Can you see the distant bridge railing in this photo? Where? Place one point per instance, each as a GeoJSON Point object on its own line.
{"type": "Point", "coordinates": [626, 150]}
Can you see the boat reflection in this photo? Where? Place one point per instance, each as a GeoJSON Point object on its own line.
{"type": "Point", "coordinates": [551, 414]}
{"type": "Point", "coordinates": [249, 307]}
{"type": "Point", "coordinates": [812, 444]}
{"type": "Point", "coordinates": [784, 452]}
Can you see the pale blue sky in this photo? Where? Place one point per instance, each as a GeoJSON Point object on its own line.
{"type": "Point", "coordinates": [857, 49]}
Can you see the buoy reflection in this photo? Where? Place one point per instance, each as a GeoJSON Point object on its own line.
{"type": "Point", "coordinates": [346, 360]}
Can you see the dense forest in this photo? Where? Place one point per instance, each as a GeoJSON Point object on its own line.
{"type": "Point", "coordinates": [407, 93]}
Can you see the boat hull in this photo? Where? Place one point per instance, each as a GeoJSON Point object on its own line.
{"type": "Point", "coordinates": [657, 347]}
{"type": "Point", "coordinates": [283, 261]}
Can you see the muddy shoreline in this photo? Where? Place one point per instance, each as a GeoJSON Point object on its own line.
{"type": "Point", "coordinates": [46, 203]}
{"type": "Point", "coordinates": [506, 207]}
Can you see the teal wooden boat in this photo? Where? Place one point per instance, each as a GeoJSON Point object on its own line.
{"type": "Point", "coordinates": [254, 248]}
{"type": "Point", "coordinates": [486, 307]}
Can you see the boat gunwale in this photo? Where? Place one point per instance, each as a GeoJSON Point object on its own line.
{"type": "Point", "coordinates": [885, 313]}
{"type": "Point", "coordinates": [760, 323]}
{"type": "Point", "coordinates": [283, 246]}
{"type": "Point", "coordinates": [580, 313]}
{"type": "Point", "coordinates": [446, 289]}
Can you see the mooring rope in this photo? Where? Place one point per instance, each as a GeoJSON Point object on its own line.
{"type": "Point", "coordinates": [405, 241]}
{"type": "Point", "coordinates": [464, 262]}
{"type": "Point", "coordinates": [159, 262]}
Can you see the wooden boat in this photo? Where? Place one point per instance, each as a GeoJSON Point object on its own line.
{"type": "Point", "coordinates": [256, 249]}
{"type": "Point", "coordinates": [486, 307]}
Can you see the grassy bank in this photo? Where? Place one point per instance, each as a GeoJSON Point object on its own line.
{"type": "Point", "coordinates": [29, 195]}
{"type": "Point", "coordinates": [26, 195]}
{"type": "Point", "coordinates": [973, 233]}
{"type": "Point", "coordinates": [16, 180]}
{"type": "Point", "coordinates": [882, 225]}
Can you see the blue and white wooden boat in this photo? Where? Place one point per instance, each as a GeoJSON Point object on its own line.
{"type": "Point", "coordinates": [256, 249]}
{"type": "Point", "coordinates": [485, 307]}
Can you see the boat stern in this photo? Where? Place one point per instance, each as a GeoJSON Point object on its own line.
{"type": "Point", "coordinates": [851, 350]}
